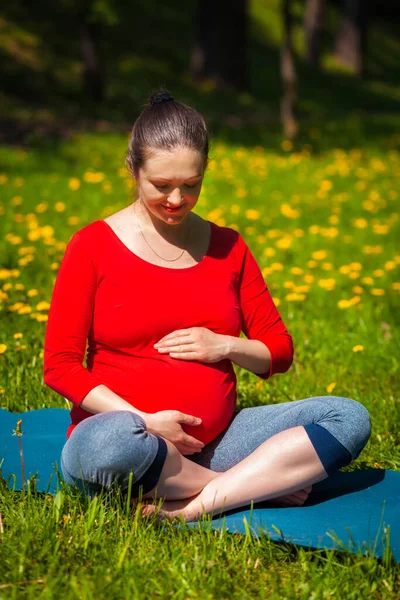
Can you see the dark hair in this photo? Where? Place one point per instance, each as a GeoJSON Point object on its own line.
{"type": "Point", "coordinates": [166, 124]}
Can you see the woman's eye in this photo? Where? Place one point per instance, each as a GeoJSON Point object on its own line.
{"type": "Point", "coordinates": [162, 187]}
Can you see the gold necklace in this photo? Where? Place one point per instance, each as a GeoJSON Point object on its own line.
{"type": "Point", "coordinates": [162, 258]}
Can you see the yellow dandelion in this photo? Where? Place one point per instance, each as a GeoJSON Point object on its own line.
{"type": "Point", "coordinates": [73, 220]}
{"type": "Point", "coordinates": [295, 297]}
{"type": "Point", "coordinates": [32, 293]}
{"type": "Point", "coordinates": [235, 209]}
{"type": "Point", "coordinates": [296, 271]}
{"type": "Point", "coordinates": [269, 252]}
{"type": "Point", "coordinates": [91, 177]}
{"type": "Point", "coordinates": [276, 301]}
{"type": "Point", "coordinates": [74, 184]}
{"type": "Point", "coordinates": [3, 348]}
{"type": "Point", "coordinates": [266, 271]}
{"type": "Point", "coordinates": [343, 304]}
{"type": "Point", "coordinates": [327, 266]}
{"type": "Point", "coordinates": [331, 387]}
{"type": "Point", "coordinates": [42, 305]}
{"type": "Point", "coordinates": [319, 254]}
{"type": "Point", "coordinates": [60, 206]}
{"type": "Point", "coordinates": [367, 281]}
{"type": "Point", "coordinates": [308, 278]}
{"type": "Point", "coordinates": [379, 272]}
{"type": "Point", "coordinates": [277, 267]}
{"type": "Point", "coordinates": [377, 292]}
{"type": "Point", "coordinates": [41, 318]}
{"type": "Point", "coordinates": [345, 269]}
{"type": "Point", "coordinates": [289, 212]}
{"type": "Point", "coordinates": [252, 214]}
{"type": "Point", "coordinates": [360, 223]}
{"type": "Point", "coordinates": [396, 286]}
{"type": "Point", "coordinates": [241, 193]}
{"type": "Point", "coordinates": [390, 265]}
{"type": "Point", "coordinates": [312, 264]}
{"type": "Point", "coordinates": [358, 348]}
{"type": "Point", "coordinates": [327, 284]}
{"type": "Point", "coordinates": [326, 185]}
{"type": "Point", "coordinates": [358, 290]}
{"type": "Point", "coordinates": [214, 214]}
{"type": "Point", "coordinates": [284, 243]}
{"type": "Point", "coordinates": [301, 289]}
{"type": "Point", "coordinates": [17, 336]}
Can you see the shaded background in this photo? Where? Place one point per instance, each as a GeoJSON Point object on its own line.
{"type": "Point", "coordinates": [77, 64]}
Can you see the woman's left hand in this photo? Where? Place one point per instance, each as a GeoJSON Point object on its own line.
{"type": "Point", "coordinates": [195, 343]}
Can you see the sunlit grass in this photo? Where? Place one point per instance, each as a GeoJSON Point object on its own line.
{"type": "Point", "coordinates": [324, 229]}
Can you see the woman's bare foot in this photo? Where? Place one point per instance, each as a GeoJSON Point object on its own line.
{"type": "Point", "coordinates": [190, 509]}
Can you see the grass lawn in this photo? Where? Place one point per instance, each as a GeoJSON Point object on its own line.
{"type": "Point", "coordinates": [324, 227]}
{"type": "Point", "coordinates": [320, 215]}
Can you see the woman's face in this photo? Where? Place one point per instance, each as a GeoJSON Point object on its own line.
{"type": "Point", "coordinates": [171, 180]}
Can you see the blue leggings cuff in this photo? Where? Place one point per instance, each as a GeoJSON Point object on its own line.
{"type": "Point", "coordinates": [150, 479]}
{"type": "Point", "coordinates": [331, 452]}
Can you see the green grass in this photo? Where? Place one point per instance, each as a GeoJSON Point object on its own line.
{"type": "Point", "coordinates": [69, 547]}
{"type": "Point", "coordinates": [324, 227]}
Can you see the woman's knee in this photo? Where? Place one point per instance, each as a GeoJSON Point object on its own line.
{"type": "Point", "coordinates": [354, 420]}
{"type": "Point", "coordinates": [106, 447]}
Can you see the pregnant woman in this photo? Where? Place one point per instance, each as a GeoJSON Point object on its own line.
{"type": "Point", "coordinates": [161, 296]}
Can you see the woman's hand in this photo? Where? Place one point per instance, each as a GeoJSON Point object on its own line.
{"type": "Point", "coordinates": [195, 343]}
{"type": "Point", "coordinates": [167, 424]}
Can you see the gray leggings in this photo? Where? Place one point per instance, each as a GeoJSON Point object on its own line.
{"type": "Point", "coordinates": [103, 449]}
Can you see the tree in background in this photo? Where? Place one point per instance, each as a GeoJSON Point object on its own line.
{"type": "Point", "coordinates": [351, 41]}
{"type": "Point", "coordinates": [313, 24]}
{"type": "Point", "coordinates": [288, 74]}
{"type": "Point", "coordinates": [220, 48]}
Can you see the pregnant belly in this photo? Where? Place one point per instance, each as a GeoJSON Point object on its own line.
{"type": "Point", "coordinates": [151, 385]}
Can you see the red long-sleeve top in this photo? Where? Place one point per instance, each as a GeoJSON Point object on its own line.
{"type": "Point", "coordinates": [120, 304]}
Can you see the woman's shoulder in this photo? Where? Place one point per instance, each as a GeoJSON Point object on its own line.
{"type": "Point", "coordinates": [89, 233]}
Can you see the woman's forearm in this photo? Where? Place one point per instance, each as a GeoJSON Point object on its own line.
{"type": "Point", "coordinates": [252, 355]}
{"type": "Point", "coordinates": [101, 399]}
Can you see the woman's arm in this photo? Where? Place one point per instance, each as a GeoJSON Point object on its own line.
{"type": "Point", "coordinates": [269, 343]}
{"type": "Point", "coordinates": [252, 355]}
{"type": "Point", "coordinates": [101, 399]}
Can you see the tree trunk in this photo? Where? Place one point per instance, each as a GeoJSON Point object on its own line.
{"type": "Point", "coordinates": [313, 24]}
{"type": "Point", "coordinates": [351, 41]}
{"type": "Point", "coordinates": [92, 74]}
{"type": "Point", "coordinates": [288, 74]}
{"type": "Point", "coordinates": [220, 50]}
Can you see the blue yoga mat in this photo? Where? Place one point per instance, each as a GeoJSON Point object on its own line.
{"type": "Point", "coordinates": [357, 511]}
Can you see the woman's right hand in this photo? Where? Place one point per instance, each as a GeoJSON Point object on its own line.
{"type": "Point", "coordinates": [166, 423]}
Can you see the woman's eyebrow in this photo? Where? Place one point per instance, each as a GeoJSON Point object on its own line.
{"type": "Point", "coordinates": [164, 179]}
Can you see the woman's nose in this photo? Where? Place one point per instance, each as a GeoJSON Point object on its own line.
{"type": "Point", "coordinates": [175, 197]}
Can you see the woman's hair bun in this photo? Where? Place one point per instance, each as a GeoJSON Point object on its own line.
{"type": "Point", "coordinates": [161, 96]}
